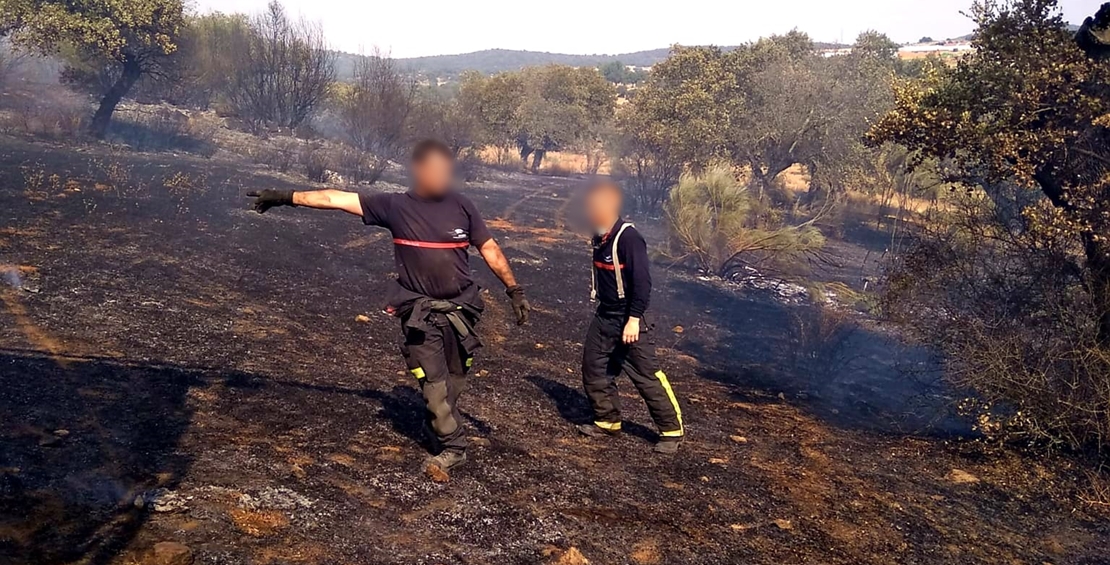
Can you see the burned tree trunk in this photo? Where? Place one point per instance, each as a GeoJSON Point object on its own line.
{"type": "Point", "coordinates": [1098, 270]}
{"type": "Point", "coordinates": [537, 159]}
{"type": "Point", "coordinates": [132, 71]}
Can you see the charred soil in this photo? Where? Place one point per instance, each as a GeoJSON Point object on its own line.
{"type": "Point", "coordinates": [178, 369]}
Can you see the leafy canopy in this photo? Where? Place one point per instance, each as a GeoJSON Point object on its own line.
{"type": "Point", "coordinates": [115, 29]}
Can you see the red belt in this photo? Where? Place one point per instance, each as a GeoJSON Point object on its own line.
{"type": "Point", "coordinates": [432, 244]}
{"type": "Point", "coordinates": [606, 266]}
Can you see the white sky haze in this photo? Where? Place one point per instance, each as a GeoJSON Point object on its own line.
{"type": "Point", "coordinates": [438, 27]}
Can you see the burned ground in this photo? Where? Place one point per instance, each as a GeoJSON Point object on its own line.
{"type": "Point", "coordinates": [176, 368]}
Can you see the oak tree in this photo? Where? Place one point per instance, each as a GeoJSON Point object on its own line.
{"type": "Point", "coordinates": [136, 36]}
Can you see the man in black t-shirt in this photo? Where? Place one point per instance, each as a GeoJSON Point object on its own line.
{"type": "Point", "coordinates": [435, 296]}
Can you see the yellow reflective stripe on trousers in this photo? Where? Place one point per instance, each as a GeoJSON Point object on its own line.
{"type": "Point", "coordinates": [675, 433]}
{"type": "Point", "coordinates": [417, 372]}
{"type": "Point", "coordinates": [611, 426]}
{"type": "Point", "coordinates": [670, 394]}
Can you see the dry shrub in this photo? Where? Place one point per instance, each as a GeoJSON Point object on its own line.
{"type": "Point", "coordinates": [717, 223]}
{"type": "Point", "coordinates": [559, 169]}
{"type": "Point", "coordinates": [203, 128]}
{"type": "Point", "coordinates": [374, 112]}
{"type": "Point", "coordinates": [470, 165]}
{"type": "Point", "coordinates": [501, 158]}
{"type": "Point", "coordinates": [55, 114]}
{"type": "Point", "coordinates": [182, 187]}
{"type": "Point", "coordinates": [1097, 492]}
{"type": "Point", "coordinates": [283, 155]}
{"type": "Point", "coordinates": [596, 158]}
{"type": "Point", "coordinates": [113, 174]}
{"type": "Point", "coordinates": [1004, 297]}
{"type": "Point", "coordinates": [563, 164]}
{"type": "Point", "coordinates": [40, 185]}
{"type": "Point", "coordinates": [357, 166]}
{"type": "Point", "coordinates": [316, 163]}
{"type": "Point", "coordinates": [820, 341]}
{"type": "Point", "coordinates": [166, 129]}
{"type": "Point", "coordinates": [34, 177]}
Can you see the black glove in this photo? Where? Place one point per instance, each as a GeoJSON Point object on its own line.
{"type": "Point", "coordinates": [266, 199]}
{"type": "Point", "coordinates": [521, 307]}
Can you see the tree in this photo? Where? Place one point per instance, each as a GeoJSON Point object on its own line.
{"type": "Point", "coordinates": [197, 75]}
{"type": "Point", "coordinates": [494, 100]}
{"type": "Point", "coordinates": [561, 108]}
{"type": "Point", "coordinates": [614, 72]}
{"type": "Point", "coordinates": [541, 109]}
{"type": "Point", "coordinates": [446, 116]}
{"type": "Point", "coordinates": [205, 72]}
{"type": "Point", "coordinates": [375, 109]}
{"type": "Point", "coordinates": [282, 72]}
{"type": "Point", "coordinates": [618, 73]}
{"type": "Point", "coordinates": [1011, 282]}
{"type": "Point", "coordinates": [793, 103]}
{"type": "Point", "coordinates": [856, 93]}
{"type": "Point", "coordinates": [10, 61]}
{"type": "Point", "coordinates": [875, 44]}
{"type": "Point", "coordinates": [765, 106]}
{"type": "Point", "coordinates": [1028, 106]}
{"type": "Point", "coordinates": [136, 36]}
{"type": "Point", "coordinates": [678, 119]}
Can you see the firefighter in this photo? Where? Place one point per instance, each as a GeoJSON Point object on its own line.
{"type": "Point", "coordinates": [435, 296]}
{"type": "Point", "coordinates": [619, 339]}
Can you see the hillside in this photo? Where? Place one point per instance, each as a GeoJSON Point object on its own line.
{"type": "Point", "coordinates": [498, 60]}
{"type": "Point", "coordinates": [271, 421]}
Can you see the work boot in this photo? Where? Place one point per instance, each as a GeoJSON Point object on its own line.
{"type": "Point", "coordinates": [446, 460]}
{"type": "Point", "coordinates": [667, 446]}
{"type": "Point", "coordinates": [595, 431]}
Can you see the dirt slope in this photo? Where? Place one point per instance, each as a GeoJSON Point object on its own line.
{"type": "Point", "coordinates": [190, 372]}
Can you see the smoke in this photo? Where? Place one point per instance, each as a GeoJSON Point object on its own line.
{"type": "Point", "coordinates": [10, 276]}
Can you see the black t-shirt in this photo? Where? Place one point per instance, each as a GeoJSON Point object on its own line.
{"type": "Point", "coordinates": [635, 272]}
{"type": "Point", "coordinates": [430, 239]}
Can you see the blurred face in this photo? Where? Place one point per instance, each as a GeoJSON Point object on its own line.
{"type": "Point", "coordinates": [433, 175]}
{"type": "Point", "coordinates": [603, 208]}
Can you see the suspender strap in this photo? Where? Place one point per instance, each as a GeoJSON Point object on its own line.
{"type": "Point", "coordinates": [617, 262]}
{"type": "Point", "coordinates": [616, 267]}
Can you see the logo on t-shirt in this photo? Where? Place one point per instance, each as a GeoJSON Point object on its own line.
{"type": "Point", "coordinates": [459, 234]}
{"type": "Point", "coordinates": [608, 258]}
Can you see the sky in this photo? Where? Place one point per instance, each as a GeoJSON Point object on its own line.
{"type": "Point", "coordinates": [405, 28]}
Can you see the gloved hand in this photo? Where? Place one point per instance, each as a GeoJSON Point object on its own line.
{"type": "Point", "coordinates": [269, 198]}
{"type": "Point", "coordinates": [521, 307]}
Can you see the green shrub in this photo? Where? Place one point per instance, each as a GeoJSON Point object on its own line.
{"type": "Point", "coordinates": [717, 223]}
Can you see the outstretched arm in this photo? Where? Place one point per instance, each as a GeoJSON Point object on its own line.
{"type": "Point", "coordinates": [317, 199]}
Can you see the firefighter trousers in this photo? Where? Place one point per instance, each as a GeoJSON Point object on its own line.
{"type": "Point", "coordinates": [440, 364]}
{"type": "Point", "coordinates": [606, 356]}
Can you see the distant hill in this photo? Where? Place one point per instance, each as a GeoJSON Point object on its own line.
{"type": "Point", "coordinates": [498, 60]}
